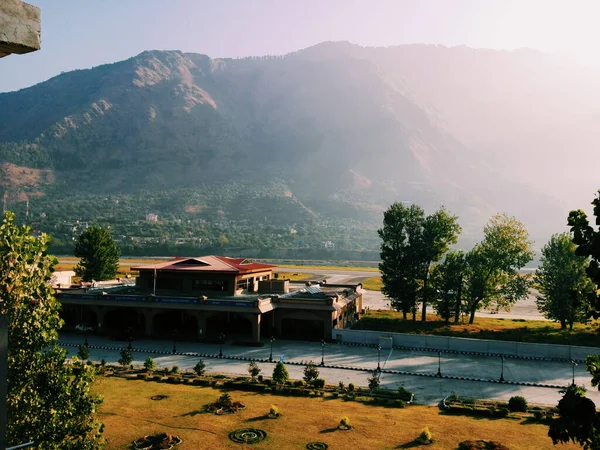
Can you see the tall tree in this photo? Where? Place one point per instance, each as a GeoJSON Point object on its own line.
{"type": "Point", "coordinates": [563, 283]}
{"type": "Point", "coordinates": [439, 231]}
{"type": "Point", "coordinates": [98, 253]}
{"type": "Point", "coordinates": [588, 244]}
{"type": "Point", "coordinates": [447, 283]}
{"type": "Point", "coordinates": [492, 273]}
{"type": "Point", "coordinates": [400, 235]}
{"type": "Point", "coordinates": [47, 401]}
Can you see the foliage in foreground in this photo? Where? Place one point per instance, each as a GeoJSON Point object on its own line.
{"type": "Point", "coordinates": [48, 401]}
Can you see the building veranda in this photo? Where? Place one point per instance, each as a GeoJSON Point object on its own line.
{"type": "Point", "coordinates": [204, 297]}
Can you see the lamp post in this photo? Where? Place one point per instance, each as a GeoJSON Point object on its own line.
{"type": "Point", "coordinates": [439, 374]}
{"type": "Point", "coordinates": [323, 352]}
{"type": "Point", "coordinates": [221, 339]}
{"type": "Point", "coordinates": [174, 341]}
{"type": "Point", "coordinates": [271, 340]}
{"type": "Point", "coordinates": [574, 364]}
{"type": "Point", "coordinates": [502, 372]}
{"type": "Point", "coordinates": [378, 358]}
{"type": "Point", "coordinates": [86, 342]}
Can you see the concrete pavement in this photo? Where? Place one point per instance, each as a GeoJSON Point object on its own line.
{"type": "Point", "coordinates": [354, 364]}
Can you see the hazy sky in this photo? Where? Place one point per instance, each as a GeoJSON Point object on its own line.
{"type": "Point", "coordinates": [80, 34]}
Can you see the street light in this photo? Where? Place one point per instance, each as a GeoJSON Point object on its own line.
{"type": "Point", "coordinates": [502, 372]}
{"type": "Point", "coordinates": [323, 352]}
{"type": "Point", "coordinates": [174, 341]}
{"type": "Point", "coordinates": [574, 364]}
{"type": "Point", "coordinates": [378, 358]}
{"type": "Point", "coordinates": [271, 340]}
{"type": "Point", "coordinates": [221, 338]}
{"type": "Point", "coordinates": [439, 374]}
{"type": "Point", "coordinates": [86, 342]}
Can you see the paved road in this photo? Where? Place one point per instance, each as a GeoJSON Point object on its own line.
{"type": "Point", "coordinates": [428, 390]}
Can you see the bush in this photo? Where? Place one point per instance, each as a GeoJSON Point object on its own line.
{"type": "Point", "coordinates": [298, 383]}
{"type": "Point", "coordinates": [260, 378]}
{"type": "Point", "coordinates": [319, 383]}
{"type": "Point", "coordinates": [404, 394]}
{"type": "Point", "coordinates": [311, 373]}
{"type": "Point", "coordinates": [126, 357]}
{"type": "Point", "coordinates": [157, 378]}
{"type": "Point", "coordinates": [399, 403]}
{"type": "Point", "coordinates": [173, 380]}
{"type": "Point", "coordinates": [351, 387]}
{"type": "Point", "coordinates": [481, 445]}
{"type": "Point", "coordinates": [538, 415]}
{"type": "Point", "coordinates": [425, 436]}
{"type": "Point", "coordinates": [140, 376]}
{"type": "Point", "coordinates": [345, 422]}
{"type": "Point", "coordinates": [253, 369]}
{"type": "Point", "coordinates": [175, 369]}
{"type": "Point", "coordinates": [149, 364]}
{"type": "Point", "coordinates": [200, 368]}
{"type": "Point", "coordinates": [335, 394]}
{"type": "Point", "coordinates": [517, 404]}
{"type": "Point", "coordinates": [201, 382]}
{"type": "Point", "coordinates": [341, 386]}
{"type": "Point", "coordinates": [280, 373]}
{"type": "Point", "coordinates": [274, 411]}
{"type": "Point", "coordinates": [373, 381]}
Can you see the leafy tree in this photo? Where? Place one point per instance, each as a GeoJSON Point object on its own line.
{"type": "Point", "coordinates": [83, 352]}
{"type": "Point", "coordinates": [373, 381]}
{"type": "Point", "coordinates": [492, 273]}
{"type": "Point", "coordinates": [280, 373]}
{"type": "Point", "coordinates": [439, 231]}
{"type": "Point", "coordinates": [588, 245]}
{"type": "Point", "coordinates": [47, 401]}
{"type": "Point", "coordinates": [98, 253]}
{"type": "Point", "coordinates": [200, 368]}
{"type": "Point", "coordinates": [149, 364]}
{"type": "Point", "coordinates": [577, 420]}
{"type": "Point", "coordinates": [447, 282]}
{"type": "Point", "coordinates": [253, 369]}
{"type": "Point", "coordinates": [401, 232]}
{"type": "Point", "coordinates": [126, 357]}
{"type": "Point", "coordinates": [563, 283]}
{"type": "Point", "coordinates": [311, 373]}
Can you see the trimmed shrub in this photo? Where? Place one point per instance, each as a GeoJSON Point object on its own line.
{"type": "Point", "coordinates": [140, 376]}
{"type": "Point", "coordinates": [425, 436]}
{"type": "Point", "coordinates": [335, 394]}
{"type": "Point", "coordinates": [260, 378]}
{"type": "Point", "coordinates": [175, 369]}
{"type": "Point", "coordinates": [201, 382]}
{"type": "Point", "coordinates": [200, 368]}
{"type": "Point", "coordinates": [341, 386]}
{"type": "Point", "coordinates": [280, 373]}
{"type": "Point", "coordinates": [149, 364]}
{"type": "Point", "coordinates": [481, 445]}
{"type": "Point", "coordinates": [404, 394]}
{"type": "Point", "coordinates": [351, 387]}
{"type": "Point", "coordinates": [298, 383]}
{"type": "Point", "coordinates": [538, 415]}
{"type": "Point", "coordinates": [345, 422]}
{"type": "Point", "coordinates": [157, 378]}
{"type": "Point", "coordinates": [319, 383]}
{"type": "Point", "coordinates": [274, 411]}
{"type": "Point", "coordinates": [517, 404]}
{"type": "Point", "coordinates": [399, 403]}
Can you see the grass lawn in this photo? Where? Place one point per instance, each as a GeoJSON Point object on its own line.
{"type": "Point", "coordinates": [484, 328]}
{"type": "Point", "coordinates": [124, 264]}
{"type": "Point", "coordinates": [293, 276]}
{"type": "Point", "coordinates": [128, 414]}
{"type": "Point", "coordinates": [373, 284]}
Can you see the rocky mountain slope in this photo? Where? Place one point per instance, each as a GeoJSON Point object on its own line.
{"type": "Point", "coordinates": [342, 130]}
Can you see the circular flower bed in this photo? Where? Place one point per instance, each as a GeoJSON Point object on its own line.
{"type": "Point", "coordinates": [317, 446]}
{"type": "Point", "coordinates": [158, 397]}
{"type": "Point", "coordinates": [224, 405]}
{"type": "Point", "coordinates": [247, 435]}
{"type": "Point", "coordinates": [156, 442]}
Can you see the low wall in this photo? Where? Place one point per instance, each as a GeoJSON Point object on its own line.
{"type": "Point", "coordinates": [455, 344]}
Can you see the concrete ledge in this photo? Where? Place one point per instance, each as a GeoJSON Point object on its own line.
{"type": "Point", "coordinates": [20, 27]}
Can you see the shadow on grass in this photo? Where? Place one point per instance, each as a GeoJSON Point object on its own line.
{"type": "Point", "coordinates": [257, 418]}
{"type": "Point", "coordinates": [193, 413]}
{"type": "Point", "coordinates": [329, 430]}
{"type": "Point", "coordinates": [533, 421]}
{"type": "Point", "coordinates": [412, 444]}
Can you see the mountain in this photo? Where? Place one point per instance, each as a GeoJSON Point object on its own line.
{"type": "Point", "coordinates": [300, 148]}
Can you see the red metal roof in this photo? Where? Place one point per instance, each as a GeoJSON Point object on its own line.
{"type": "Point", "coordinates": [207, 264]}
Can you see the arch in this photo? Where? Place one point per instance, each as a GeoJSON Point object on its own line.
{"type": "Point", "coordinates": [121, 321]}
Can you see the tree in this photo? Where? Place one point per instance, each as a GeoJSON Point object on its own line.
{"type": "Point", "coordinates": [447, 283]}
{"type": "Point", "coordinates": [149, 364]}
{"type": "Point", "coordinates": [311, 373]}
{"type": "Point", "coordinates": [439, 231]}
{"type": "Point", "coordinates": [253, 369]}
{"type": "Point", "coordinates": [492, 266]}
{"type": "Point", "coordinates": [98, 253]}
{"type": "Point", "coordinates": [47, 401]}
{"type": "Point", "coordinates": [126, 357]}
{"type": "Point", "coordinates": [399, 259]}
{"type": "Point", "coordinates": [200, 368]}
{"type": "Point", "coordinates": [83, 352]}
{"type": "Point", "coordinates": [373, 381]}
{"type": "Point", "coordinates": [563, 283]}
{"type": "Point", "coordinates": [577, 420]}
{"type": "Point", "coordinates": [588, 244]}
{"type": "Point", "coordinates": [280, 373]}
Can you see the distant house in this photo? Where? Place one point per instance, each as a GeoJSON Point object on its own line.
{"type": "Point", "coordinates": [329, 245]}
{"type": "Point", "coordinates": [151, 217]}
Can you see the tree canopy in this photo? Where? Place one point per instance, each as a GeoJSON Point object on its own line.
{"type": "Point", "coordinates": [588, 244]}
{"type": "Point", "coordinates": [492, 272]}
{"type": "Point", "coordinates": [48, 402]}
{"type": "Point", "coordinates": [562, 282]}
{"type": "Point", "coordinates": [447, 283]}
{"type": "Point", "coordinates": [98, 253]}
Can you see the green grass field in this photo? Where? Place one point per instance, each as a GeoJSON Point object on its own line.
{"type": "Point", "coordinates": [519, 330]}
{"type": "Point", "coordinates": [373, 284]}
{"type": "Point", "coordinates": [129, 413]}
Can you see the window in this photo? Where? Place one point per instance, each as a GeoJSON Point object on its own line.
{"type": "Point", "coordinates": [209, 285]}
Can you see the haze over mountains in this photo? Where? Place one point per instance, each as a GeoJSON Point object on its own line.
{"type": "Point", "coordinates": [341, 131]}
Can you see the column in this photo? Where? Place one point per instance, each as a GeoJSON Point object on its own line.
{"type": "Point", "coordinates": [256, 328]}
